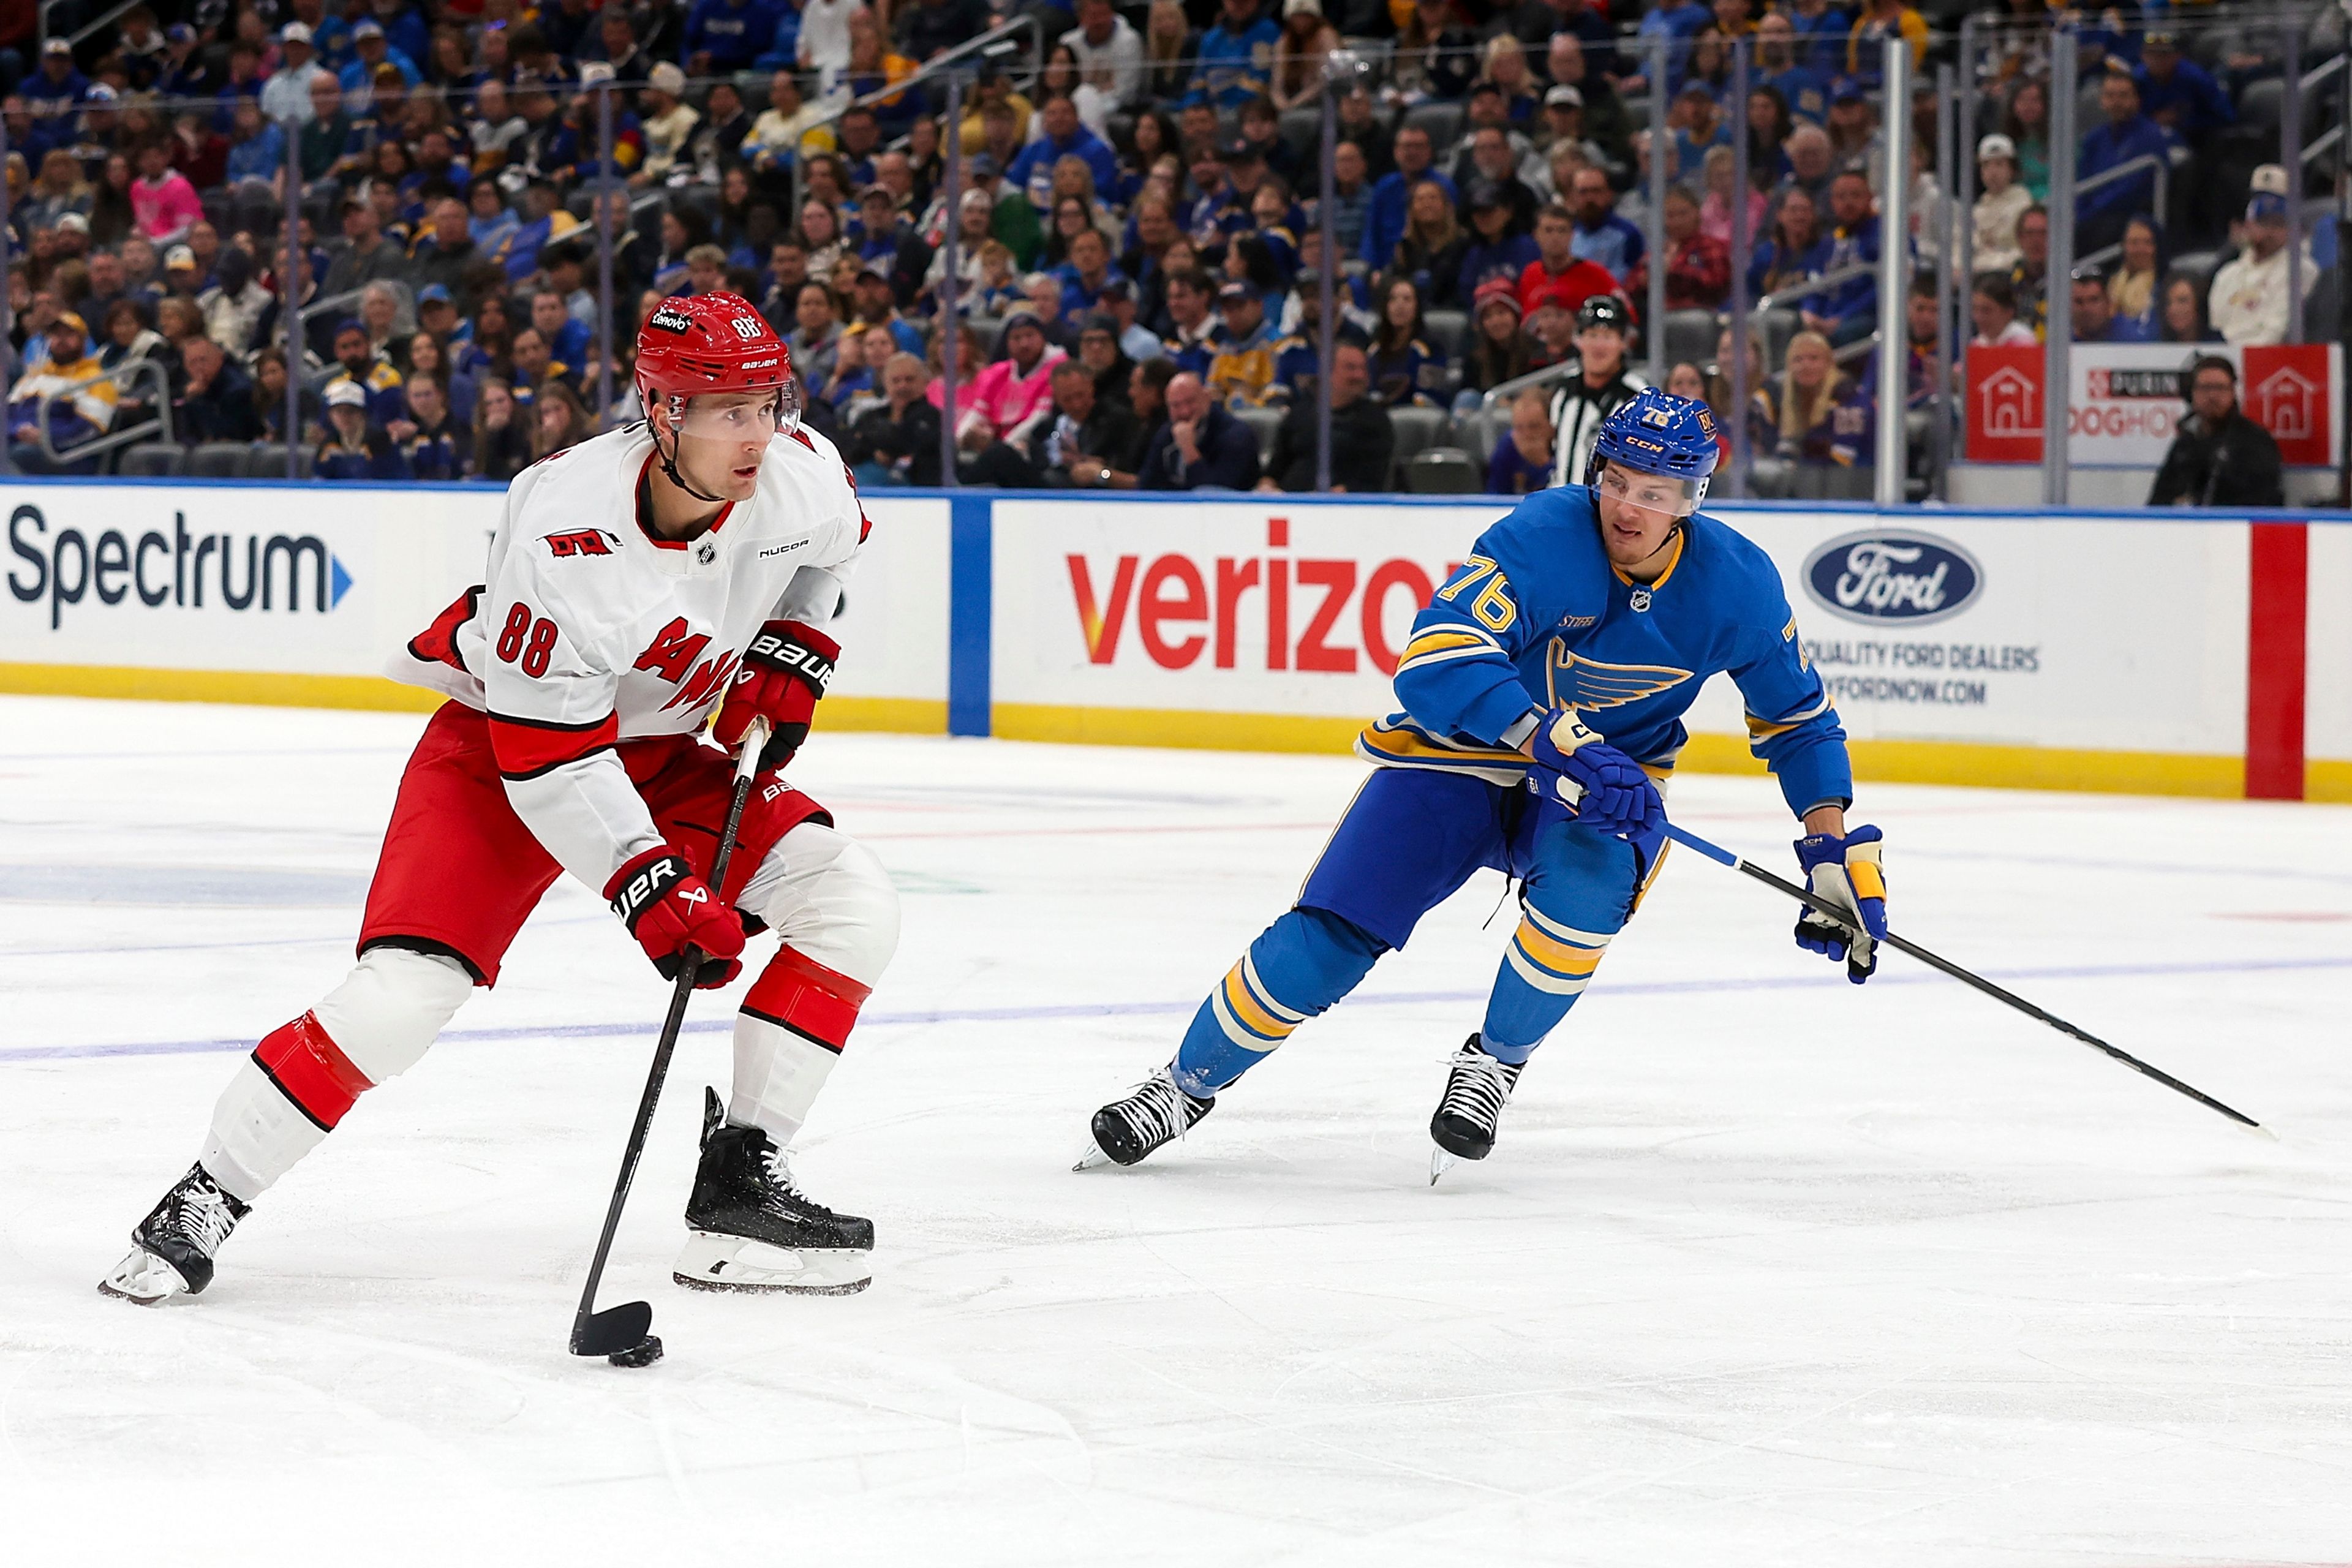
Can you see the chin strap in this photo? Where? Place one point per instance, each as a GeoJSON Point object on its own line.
{"type": "Point", "coordinates": [669, 459]}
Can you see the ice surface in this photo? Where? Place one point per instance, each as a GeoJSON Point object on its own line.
{"type": "Point", "coordinates": [1765, 1270]}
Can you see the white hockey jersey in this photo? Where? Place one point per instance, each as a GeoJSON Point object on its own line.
{"type": "Point", "coordinates": [589, 632]}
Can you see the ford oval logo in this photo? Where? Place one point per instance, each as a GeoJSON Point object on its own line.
{"type": "Point", "coordinates": [1892, 576]}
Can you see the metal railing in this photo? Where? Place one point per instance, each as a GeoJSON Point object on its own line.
{"type": "Point", "coordinates": [120, 376]}
{"type": "Point", "coordinates": [87, 28]}
{"type": "Point", "coordinates": [994, 42]}
{"type": "Point", "coordinates": [1778, 298]}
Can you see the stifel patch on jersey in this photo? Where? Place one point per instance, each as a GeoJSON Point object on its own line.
{"type": "Point", "coordinates": [582, 541]}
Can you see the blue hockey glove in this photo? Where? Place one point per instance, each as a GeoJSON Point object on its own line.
{"type": "Point", "coordinates": [1846, 872]}
{"type": "Point", "coordinates": [1598, 785]}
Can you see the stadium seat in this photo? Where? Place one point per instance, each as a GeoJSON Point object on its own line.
{"type": "Point", "coordinates": [1770, 479]}
{"type": "Point", "coordinates": [1779, 326]}
{"type": "Point", "coordinates": [1444, 472]}
{"type": "Point", "coordinates": [987, 328]}
{"type": "Point", "coordinates": [1263, 424]}
{"type": "Point", "coordinates": [1301, 128]}
{"type": "Point", "coordinates": [155, 459]}
{"type": "Point", "coordinates": [1446, 329]}
{"type": "Point", "coordinates": [2200, 264]}
{"type": "Point", "coordinates": [1690, 336]}
{"type": "Point", "coordinates": [1479, 432]}
{"type": "Point", "coordinates": [1444, 123]}
{"type": "Point", "coordinates": [218, 460]}
{"type": "Point", "coordinates": [1816, 482]}
{"type": "Point", "coordinates": [2260, 106]}
{"type": "Point", "coordinates": [267, 460]}
{"type": "Point", "coordinates": [2210, 46]}
{"type": "Point", "coordinates": [1417, 430]}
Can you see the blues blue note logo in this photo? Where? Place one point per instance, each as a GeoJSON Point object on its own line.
{"type": "Point", "coordinates": [1892, 576]}
{"type": "Point", "coordinates": [1589, 684]}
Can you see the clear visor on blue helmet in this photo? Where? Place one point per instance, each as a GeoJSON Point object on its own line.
{"type": "Point", "coordinates": [1662, 493]}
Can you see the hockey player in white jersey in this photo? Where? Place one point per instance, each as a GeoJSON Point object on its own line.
{"type": "Point", "coordinates": [638, 581]}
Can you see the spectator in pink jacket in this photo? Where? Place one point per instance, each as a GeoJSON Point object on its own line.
{"type": "Point", "coordinates": [1019, 388]}
{"type": "Point", "coordinates": [161, 200]}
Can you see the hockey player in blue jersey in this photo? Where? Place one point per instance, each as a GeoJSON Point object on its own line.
{"type": "Point", "coordinates": [1543, 691]}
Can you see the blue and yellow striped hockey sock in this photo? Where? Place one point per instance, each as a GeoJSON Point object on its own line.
{"type": "Point", "coordinates": [1542, 973]}
{"type": "Point", "coordinates": [1296, 968]}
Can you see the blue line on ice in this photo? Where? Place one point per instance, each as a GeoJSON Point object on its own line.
{"type": "Point", "coordinates": [1178, 1009]}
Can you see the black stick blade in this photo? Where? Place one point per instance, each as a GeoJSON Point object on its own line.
{"type": "Point", "coordinates": [614, 1329]}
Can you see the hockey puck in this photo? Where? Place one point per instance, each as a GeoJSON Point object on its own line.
{"type": "Point", "coordinates": [644, 1353]}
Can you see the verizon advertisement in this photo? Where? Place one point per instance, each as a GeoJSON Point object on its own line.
{"type": "Point", "coordinates": [1245, 606]}
{"type": "Point", "coordinates": [311, 581]}
{"type": "Point", "coordinates": [2125, 401]}
{"type": "Point", "coordinates": [2069, 633]}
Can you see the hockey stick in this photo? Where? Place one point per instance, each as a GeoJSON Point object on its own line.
{"type": "Point", "coordinates": [619, 1333]}
{"type": "Point", "coordinates": [1823, 907]}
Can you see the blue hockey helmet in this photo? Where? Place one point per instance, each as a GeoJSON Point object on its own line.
{"type": "Point", "coordinates": [1655, 432]}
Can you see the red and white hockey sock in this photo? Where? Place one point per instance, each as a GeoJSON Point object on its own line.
{"type": "Point", "coordinates": [304, 1076]}
{"type": "Point", "coordinates": [794, 1022]}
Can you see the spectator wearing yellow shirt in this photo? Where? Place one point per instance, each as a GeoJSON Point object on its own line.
{"type": "Point", "coordinates": [64, 388]}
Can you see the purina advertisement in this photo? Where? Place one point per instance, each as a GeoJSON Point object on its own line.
{"type": "Point", "coordinates": [2125, 404]}
{"type": "Point", "coordinates": [2028, 631]}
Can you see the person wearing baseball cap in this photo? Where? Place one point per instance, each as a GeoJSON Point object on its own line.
{"type": "Point", "coordinates": [2177, 93]}
{"type": "Point", "coordinates": [371, 50]}
{"type": "Point", "coordinates": [2248, 303]}
{"type": "Point", "coordinates": [1241, 366]}
{"type": "Point", "coordinates": [2002, 199]}
{"type": "Point", "coordinates": [356, 446]}
{"type": "Point", "coordinates": [287, 95]}
{"type": "Point", "coordinates": [64, 376]}
{"type": "Point", "coordinates": [1499, 248]}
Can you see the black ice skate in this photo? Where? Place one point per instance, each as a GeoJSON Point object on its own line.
{"type": "Point", "coordinates": [172, 1249]}
{"type": "Point", "coordinates": [754, 1230]}
{"type": "Point", "coordinates": [1125, 1130]}
{"type": "Point", "coordinates": [1477, 1090]}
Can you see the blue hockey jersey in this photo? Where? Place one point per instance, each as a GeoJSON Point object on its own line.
{"type": "Point", "coordinates": [1539, 618]}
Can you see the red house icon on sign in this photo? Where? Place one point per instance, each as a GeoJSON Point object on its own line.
{"type": "Point", "coordinates": [2004, 404]}
{"type": "Point", "coordinates": [2011, 405]}
{"type": "Point", "coordinates": [2288, 395]}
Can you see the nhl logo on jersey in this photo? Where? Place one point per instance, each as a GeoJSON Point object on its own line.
{"type": "Point", "coordinates": [1638, 599]}
{"type": "Point", "coordinates": [706, 552]}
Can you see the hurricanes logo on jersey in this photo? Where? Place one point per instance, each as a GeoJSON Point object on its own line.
{"type": "Point", "coordinates": [1590, 684]}
{"type": "Point", "coordinates": [672, 654]}
{"type": "Point", "coordinates": [582, 541]}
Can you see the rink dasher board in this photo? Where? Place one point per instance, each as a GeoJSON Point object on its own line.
{"type": "Point", "coordinates": [2152, 651]}
{"type": "Point", "coordinates": [301, 594]}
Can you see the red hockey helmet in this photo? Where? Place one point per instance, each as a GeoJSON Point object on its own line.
{"type": "Point", "coordinates": [710, 342]}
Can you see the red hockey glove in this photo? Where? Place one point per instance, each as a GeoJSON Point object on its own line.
{"type": "Point", "coordinates": [785, 670]}
{"type": "Point", "coordinates": [668, 908]}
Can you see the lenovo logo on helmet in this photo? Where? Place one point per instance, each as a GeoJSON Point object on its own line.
{"type": "Point", "coordinates": [1887, 575]}
{"type": "Point", "coordinates": [670, 321]}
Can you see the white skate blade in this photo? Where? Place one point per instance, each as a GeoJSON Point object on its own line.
{"type": "Point", "coordinates": [1440, 1161]}
{"type": "Point", "coordinates": [144, 1279]}
{"type": "Point", "coordinates": [1092, 1157]}
{"type": "Point", "coordinates": [712, 1261]}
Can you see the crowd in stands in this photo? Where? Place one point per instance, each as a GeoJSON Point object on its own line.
{"type": "Point", "coordinates": [1137, 298]}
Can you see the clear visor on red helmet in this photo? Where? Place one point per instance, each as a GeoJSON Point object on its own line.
{"type": "Point", "coordinates": [740, 415]}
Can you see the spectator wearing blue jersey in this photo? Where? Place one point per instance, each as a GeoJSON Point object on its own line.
{"type": "Point", "coordinates": [1499, 248]}
{"type": "Point", "coordinates": [428, 436]}
{"type": "Point", "coordinates": [1794, 252]}
{"type": "Point", "coordinates": [2179, 94]}
{"type": "Point", "coordinates": [1803, 89]}
{"type": "Point", "coordinates": [372, 49]}
{"type": "Point", "coordinates": [53, 96]}
{"type": "Point", "coordinates": [1235, 63]}
{"type": "Point", "coordinates": [1522, 462]}
{"type": "Point", "coordinates": [1602, 237]}
{"type": "Point", "coordinates": [1678, 22]}
{"type": "Point", "coordinates": [1846, 312]}
{"type": "Point", "coordinates": [1085, 274]}
{"type": "Point", "coordinates": [1062, 136]}
{"type": "Point", "coordinates": [727, 36]}
{"type": "Point", "coordinates": [256, 170]}
{"type": "Point", "coordinates": [356, 446]}
{"type": "Point", "coordinates": [1384, 223]}
{"type": "Point", "coordinates": [2100, 213]}
{"type": "Point", "coordinates": [1824, 28]}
